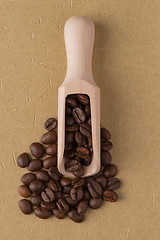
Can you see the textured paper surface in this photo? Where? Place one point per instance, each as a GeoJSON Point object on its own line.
{"type": "Point", "coordinates": [126, 64]}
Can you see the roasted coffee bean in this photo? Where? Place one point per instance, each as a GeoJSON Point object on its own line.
{"type": "Point", "coordinates": [83, 98]}
{"type": "Point", "coordinates": [76, 193]}
{"type": "Point", "coordinates": [106, 146]}
{"type": "Point", "coordinates": [69, 154]}
{"type": "Point", "coordinates": [89, 121]}
{"type": "Point", "coordinates": [114, 184]}
{"type": "Point", "coordinates": [68, 110]}
{"type": "Point", "coordinates": [79, 115]}
{"type": "Point", "coordinates": [69, 147]}
{"type": "Point", "coordinates": [74, 216]}
{"type": "Point", "coordinates": [48, 206]}
{"type": "Point", "coordinates": [36, 186]}
{"type": "Point", "coordinates": [110, 196]}
{"type": "Point", "coordinates": [110, 171]}
{"type": "Point", "coordinates": [55, 185]}
{"type": "Point", "coordinates": [100, 173]}
{"type": "Point", "coordinates": [102, 180]}
{"type": "Point", "coordinates": [42, 175]}
{"type": "Point", "coordinates": [36, 200]}
{"type": "Point", "coordinates": [54, 173]}
{"type": "Point", "coordinates": [82, 152]}
{"type": "Point", "coordinates": [50, 124]}
{"type": "Point", "coordinates": [71, 202]}
{"type": "Point", "coordinates": [48, 195]}
{"type": "Point", "coordinates": [89, 179]}
{"type": "Point", "coordinates": [105, 134]}
{"type": "Point", "coordinates": [80, 139]}
{"type": "Point", "coordinates": [78, 182]}
{"type": "Point", "coordinates": [58, 214]}
{"type": "Point", "coordinates": [73, 128]}
{"type": "Point", "coordinates": [69, 120]}
{"type": "Point", "coordinates": [95, 189]}
{"type": "Point", "coordinates": [42, 213]}
{"type": "Point", "coordinates": [58, 195]}
{"type": "Point", "coordinates": [106, 158]}
{"type": "Point", "coordinates": [85, 129]}
{"type": "Point", "coordinates": [69, 138]}
{"type": "Point", "coordinates": [23, 160]}
{"type": "Point", "coordinates": [27, 178]}
{"type": "Point", "coordinates": [35, 165]}
{"type": "Point", "coordinates": [24, 191]}
{"type": "Point", "coordinates": [86, 194]}
{"type": "Point", "coordinates": [82, 207]}
{"type": "Point", "coordinates": [37, 150]}
{"type": "Point", "coordinates": [65, 181]}
{"type": "Point", "coordinates": [51, 150]}
{"type": "Point", "coordinates": [50, 162]}
{"type": "Point", "coordinates": [71, 102]}
{"type": "Point", "coordinates": [87, 160]}
{"type": "Point", "coordinates": [67, 189]}
{"type": "Point", "coordinates": [62, 206]}
{"type": "Point", "coordinates": [25, 206]}
{"type": "Point", "coordinates": [88, 144]}
{"type": "Point", "coordinates": [87, 110]}
{"type": "Point", "coordinates": [49, 137]}
{"type": "Point", "coordinates": [79, 172]}
{"type": "Point", "coordinates": [95, 203]}
{"type": "Point", "coordinates": [72, 165]}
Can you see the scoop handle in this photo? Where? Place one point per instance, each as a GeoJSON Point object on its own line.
{"type": "Point", "coordinates": [79, 38]}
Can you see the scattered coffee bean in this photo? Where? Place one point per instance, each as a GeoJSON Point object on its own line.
{"type": "Point", "coordinates": [74, 216]}
{"type": "Point", "coordinates": [54, 173]}
{"type": "Point", "coordinates": [24, 191]}
{"type": "Point", "coordinates": [110, 196]}
{"type": "Point", "coordinates": [48, 206]}
{"type": "Point", "coordinates": [71, 202]}
{"type": "Point", "coordinates": [65, 181]}
{"type": "Point", "coordinates": [25, 206]}
{"type": "Point", "coordinates": [42, 213]}
{"type": "Point", "coordinates": [37, 150]}
{"type": "Point", "coordinates": [82, 207]}
{"type": "Point", "coordinates": [105, 134]}
{"type": "Point", "coordinates": [110, 171]}
{"type": "Point", "coordinates": [55, 185]}
{"type": "Point", "coordinates": [36, 186]}
{"type": "Point", "coordinates": [62, 206]}
{"type": "Point", "coordinates": [102, 180]}
{"type": "Point", "coordinates": [58, 214]}
{"type": "Point", "coordinates": [50, 124]}
{"type": "Point", "coordinates": [36, 200]}
{"type": "Point", "coordinates": [105, 146]}
{"type": "Point", "coordinates": [78, 182]}
{"type": "Point", "coordinates": [67, 189]}
{"type": "Point", "coordinates": [42, 175]}
{"type": "Point", "coordinates": [79, 172]}
{"type": "Point", "coordinates": [86, 195]}
{"type": "Point", "coordinates": [48, 195]}
{"type": "Point", "coordinates": [51, 150]}
{"type": "Point", "coordinates": [114, 184]}
{"type": "Point", "coordinates": [27, 178]}
{"type": "Point", "coordinates": [35, 165]}
{"type": "Point", "coordinates": [49, 137]}
{"type": "Point", "coordinates": [23, 160]}
{"type": "Point", "coordinates": [95, 189]}
{"type": "Point", "coordinates": [50, 162]}
{"type": "Point", "coordinates": [76, 193]}
{"type": "Point", "coordinates": [105, 158]}
{"type": "Point", "coordinates": [95, 202]}
{"type": "Point", "coordinates": [58, 195]}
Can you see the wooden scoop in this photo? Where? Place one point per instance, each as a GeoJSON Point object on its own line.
{"type": "Point", "coordinates": [79, 38]}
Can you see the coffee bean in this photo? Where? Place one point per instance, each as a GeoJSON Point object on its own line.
{"type": "Point", "coordinates": [48, 206]}
{"type": "Point", "coordinates": [50, 162]}
{"type": "Point", "coordinates": [25, 206]}
{"type": "Point", "coordinates": [58, 195]}
{"type": "Point", "coordinates": [95, 203]}
{"type": "Point", "coordinates": [24, 191]}
{"type": "Point", "coordinates": [102, 180]}
{"type": "Point", "coordinates": [71, 202]}
{"type": "Point", "coordinates": [51, 150]}
{"type": "Point", "coordinates": [36, 186]}
{"type": "Point", "coordinates": [35, 165]}
{"type": "Point", "coordinates": [105, 146]}
{"type": "Point", "coordinates": [76, 193]}
{"type": "Point", "coordinates": [83, 98]}
{"type": "Point", "coordinates": [62, 206]}
{"type": "Point", "coordinates": [50, 124]}
{"type": "Point", "coordinates": [79, 115]}
{"type": "Point", "coordinates": [105, 158]}
{"type": "Point", "coordinates": [110, 196]}
{"type": "Point", "coordinates": [69, 120]}
{"type": "Point", "coordinates": [82, 152]}
{"type": "Point", "coordinates": [37, 150]}
{"type": "Point", "coordinates": [89, 179]}
{"type": "Point", "coordinates": [87, 160]}
{"type": "Point", "coordinates": [110, 171]}
{"type": "Point", "coordinates": [67, 189]}
{"type": "Point", "coordinates": [65, 181]}
{"type": "Point", "coordinates": [58, 214]}
{"type": "Point", "coordinates": [100, 173]}
{"type": "Point", "coordinates": [36, 200]}
{"type": "Point", "coordinates": [78, 182]}
{"type": "Point", "coordinates": [49, 137]}
{"type": "Point", "coordinates": [105, 134]}
{"type": "Point", "coordinates": [42, 175]}
{"type": "Point", "coordinates": [88, 144]}
{"type": "Point", "coordinates": [71, 102]}
{"type": "Point", "coordinates": [69, 147]}
{"type": "Point", "coordinates": [73, 128]}
{"type": "Point", "coordinates": [69, 138]}
{"type": "Point", "coordinates": [69, 154]}
{"type": "Point", "coordinates": [42, 213]}
{"type": "Point", "coordinates": [114, 184]}
{"type": "Point", "coordinates": [48, 195]}
{"type": "Point", "coordinates": [27, 178]}
{"type": "Point", "coordinates": [89, 121]}
{"type": "Point", "coordinates": [80, 139]}
{"type": "Point", "coordinates": [95, 189]}
{"type": "Point", "coordinates": [87, 110]}
{"type": "Point", "coordinates": [54, 173]}
{"type": "Point", "coordinates": [85, 129]}
{"type": "Point", "coordinates": [68, 110]}
{"type": "Point", "coordinates": [82, 207]}
{"type": "Point", "coordinates": [74, 216]}
{"type": "Point", "coordinates": [79, 172]}
{"type": "Point", "coordinates": [72, 165]}
{"type": "Point", "coordinates": [86, 195]}
{"type": "Point", "coordinates": [23, 160]}
{"type": "Point", "coordinates": [55, 185]}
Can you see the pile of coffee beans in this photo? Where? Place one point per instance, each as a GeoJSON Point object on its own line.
{"type": "Point", "coordinates": [78, 134]}
{"type": "Point", "coordinates": [50, 193]}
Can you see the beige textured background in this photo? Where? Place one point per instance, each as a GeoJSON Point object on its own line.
{"type": "Point", "coordinates": [126, 64]}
